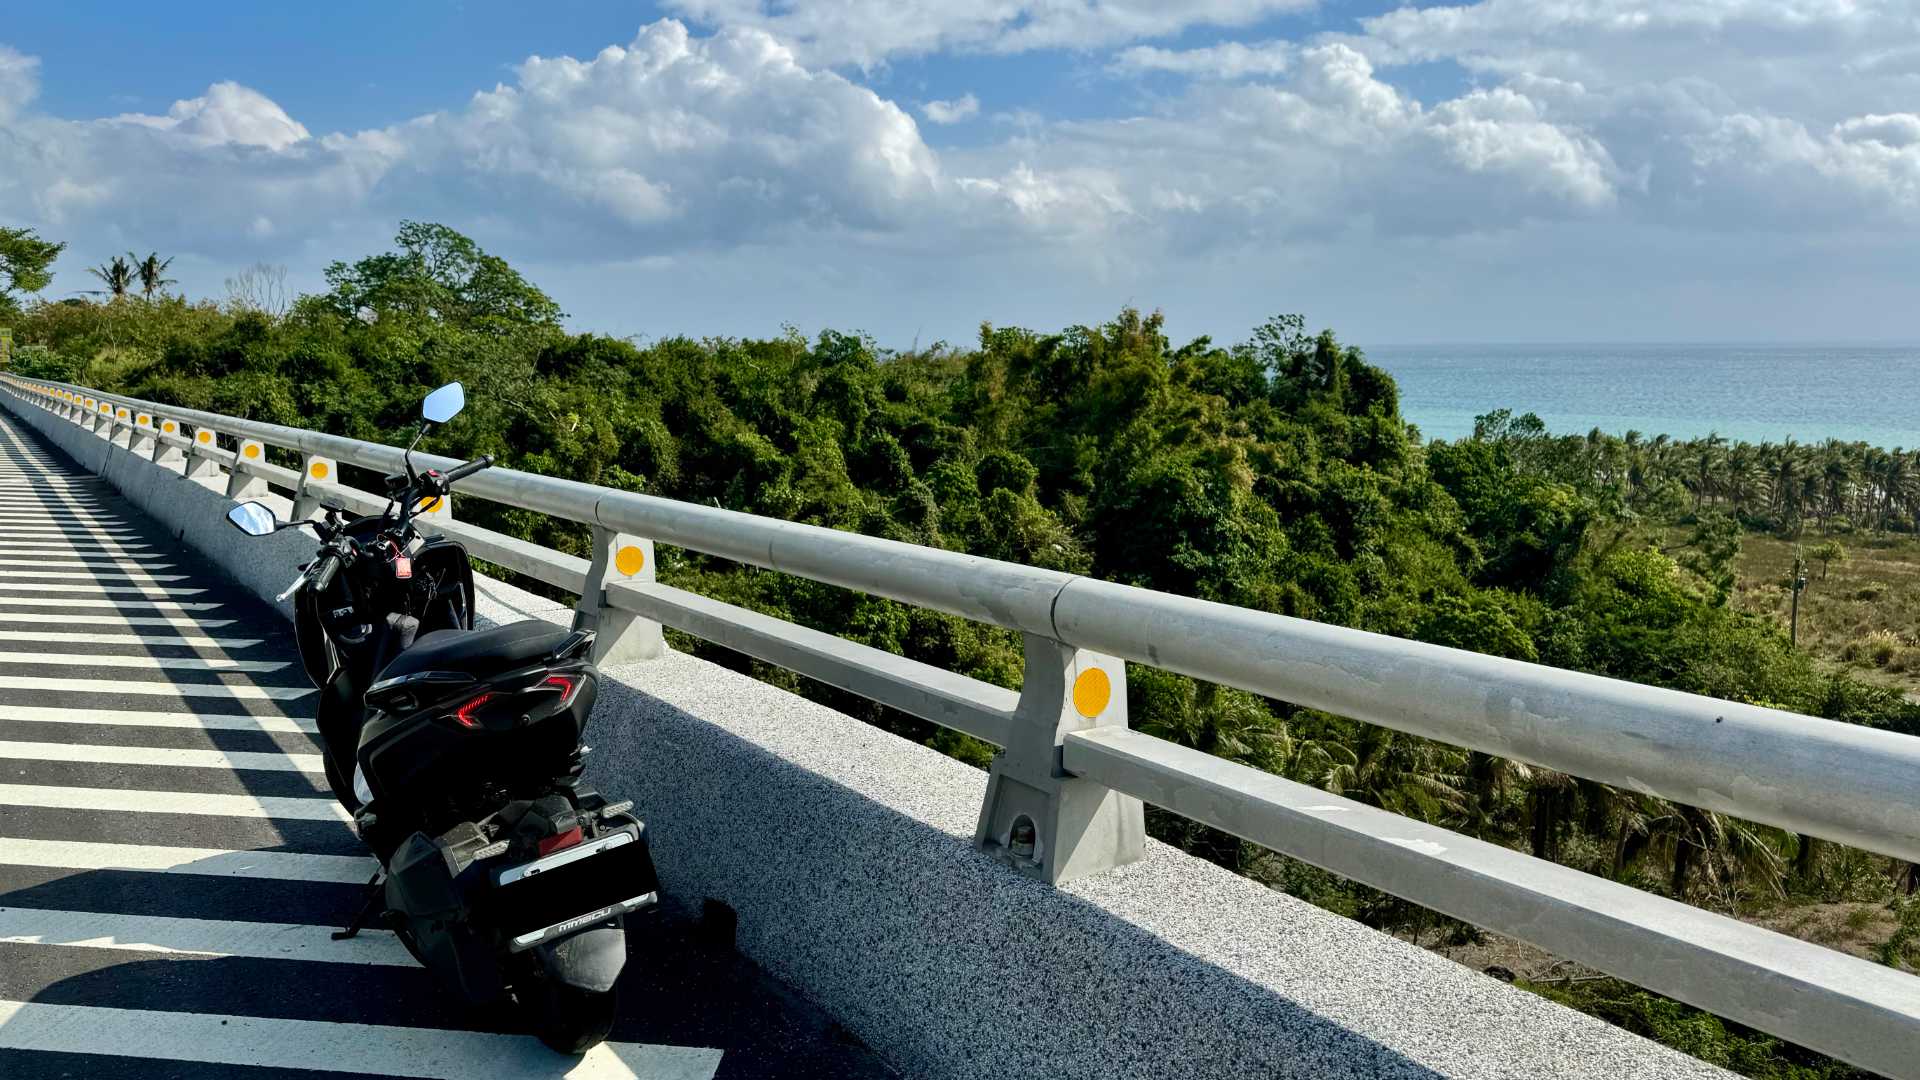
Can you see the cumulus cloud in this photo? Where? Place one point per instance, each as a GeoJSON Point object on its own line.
{"type": "Point", "coordinates": [867, 32]}
{"type": "Point", "coordinates": [19, 81]}
{"type": "Point", "coordinates": [227, 114]}
{"type": "Point", "coordinates": [1227, 60]}
{"type": "Point", "coordinates": [685, 145]}
{"type": "Point", "coordinates": [964, 107]}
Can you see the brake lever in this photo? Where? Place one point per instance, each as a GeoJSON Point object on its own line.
{"type": "Point", "coordinates": [293, 588]}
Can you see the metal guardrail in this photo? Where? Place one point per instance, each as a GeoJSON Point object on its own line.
{"type": "Point", "coordinates": [1063, 796]}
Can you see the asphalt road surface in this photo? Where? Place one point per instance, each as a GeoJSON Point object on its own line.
{"type": "Point", "coordinates": [171, 863]}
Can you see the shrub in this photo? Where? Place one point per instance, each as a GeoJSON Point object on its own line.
{"type": "Point", "coordinates": [1871, 591]}
{"type": "Point", "coordinates": [1880, 647]}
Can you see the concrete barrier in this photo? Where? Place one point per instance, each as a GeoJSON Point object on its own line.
{"type": "Point", "coordinates": [847, 853]}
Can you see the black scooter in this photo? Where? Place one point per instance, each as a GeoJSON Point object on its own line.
{"type": "Point", "coordinates": [458, 753]}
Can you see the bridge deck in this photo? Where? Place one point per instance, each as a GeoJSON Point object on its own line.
{"type": "Point", "coordinates": [171, 862]}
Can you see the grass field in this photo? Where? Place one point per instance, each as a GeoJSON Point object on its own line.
{"type": "Point", "coordinates": [1861, 612]}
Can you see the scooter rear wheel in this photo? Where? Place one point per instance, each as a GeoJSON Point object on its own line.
{"type": "Point", "coordinates": [570, 1020]}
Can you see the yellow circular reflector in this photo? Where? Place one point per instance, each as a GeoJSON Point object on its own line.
{"type": "Point", "coordinates": [1091, 692]}
{"type": "Point", "coordinates": [205, 436]}
{"type": "Point", "coordinates": [251, 450]}
{"type": "Point", "coordinates": [630, 559]}
{"type": "Point", "coordinates": [434, 505]}
{"type": "Point", "coordinates": [167, 427]}
{"type": "Point", "coordinates": [318, 470]}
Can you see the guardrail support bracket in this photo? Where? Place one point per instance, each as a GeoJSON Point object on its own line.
{"type": "Point", "coordinates": [199, 465]}
{"type": "Point", "coordinates": [1037, 819]}
{"type": "Point", "coordinates": [619, 636]}
{"type": "Point", "coordinates": [314, 471]}
{"type": "Point", "coordinates": [241, 484]}
{"type": "Point", "coordinates": [165, 453]}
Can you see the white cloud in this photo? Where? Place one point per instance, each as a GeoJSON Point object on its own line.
{"type": "Point", "coordinates": [19, 81]}
{"type": "Point", "coordinates": [1227, 60]}
{"type": "Point", "coordinates": [868, 32]}
{"type": "Point", "coordinates": [227, 115]}
{"type": "Point", "coordinates": [964, 107]}
{"type": "Point", "coordinates": [1719, 118]}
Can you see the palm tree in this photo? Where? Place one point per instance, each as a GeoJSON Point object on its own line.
{"type": "Point", "coordinates": [152, 271]}
{"type": "Point", "coordinates": [118, 274]}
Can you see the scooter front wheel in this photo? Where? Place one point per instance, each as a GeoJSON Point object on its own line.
{"type": "Point", "coordinates": [571, 1020]}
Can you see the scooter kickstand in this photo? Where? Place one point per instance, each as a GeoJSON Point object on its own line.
{"type": "Point", "coordinates": [376, 901]}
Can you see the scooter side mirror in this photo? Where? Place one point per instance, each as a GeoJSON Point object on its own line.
{"type": "Point", "coordinates": [443, 404]}
{"type": "Point", "coordinates": [253, 518]}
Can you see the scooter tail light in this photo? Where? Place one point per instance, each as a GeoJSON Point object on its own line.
{"type": "Point", "coordinates": [561, 841]}
{"type": "Point", "coordinates": [465, 714]}
{"type": "Point", "coordinates": [566, 684]}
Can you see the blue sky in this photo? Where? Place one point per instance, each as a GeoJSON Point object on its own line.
{"type": "Point", "coordinates": [1495, 170]}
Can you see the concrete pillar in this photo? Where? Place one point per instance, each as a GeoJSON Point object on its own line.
{"type": "Point", "coordinates": [619, 636]}
{"type": "Point", "coordinates": [1037, 819]}
{"type": "Point", "coordinates": [120, 428]}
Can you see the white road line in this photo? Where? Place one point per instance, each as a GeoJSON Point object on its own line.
{"type": "Point", "coordinates": [53, 714]}
{"type": "Point", "coordinates": [92, 575]}
{"type": "Point", "coordinates": [80, 562]}
{"type": "Point", "coordinates": [122, 800]}
{"type": "Point", "coordinates": [114, 604]}
{"type": "Point", "coordinates": [11, 587]}
{"type": "Point", "coordinates": [73, 529]}
{"type": "Point", "coordinates": [118, 620]}
{"type": "Point", "coordinates": [63, 637]}
{"type": "Point", "coordinates": [39, 546]}
{"type": "Point", "coordinates": [96, 554]}
{"type": "Point", "coordinates": [55, 514]}
{"type": "Point", "coordinates": [207, 862]}
{"type": "Point", "coordinates": [89, 754]}
{"type": "Point", "coordinates": [103, 602]}
{"type": "Point", "coordinates": [377, 1049]}
{"type": "Point", "coordinates": [203, 937]}
{"type": "Point", "coordinates": [163, 663]}
{"type": "Point", "coordinates": [81, 685]}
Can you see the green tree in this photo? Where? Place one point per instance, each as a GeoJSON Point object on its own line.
{"type": "Point", "coordinates": [439, 274]}
{"type": "Point", "coordinates": [152, 272]}
{"type": "Point", "coordinates": [1828, 553]}
{"type": "Point", "coordinates": [118, 276]}
{"type": "Point", "coordinates": [25, 265]}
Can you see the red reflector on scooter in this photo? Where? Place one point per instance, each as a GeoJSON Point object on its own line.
{"type": "Point", "coordinates": [465, 713]}
{"type": "Point", "coordinates": [561, 841]}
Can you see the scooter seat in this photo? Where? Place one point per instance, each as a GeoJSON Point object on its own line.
{"type": "Point", "coordinates": [478, 652]}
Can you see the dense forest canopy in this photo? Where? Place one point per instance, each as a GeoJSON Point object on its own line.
{"type": "Point", "coordinates": [1275, 473]}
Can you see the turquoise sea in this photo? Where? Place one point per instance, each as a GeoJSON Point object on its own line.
{"type": "Point", "coordinates": [1756, 393]}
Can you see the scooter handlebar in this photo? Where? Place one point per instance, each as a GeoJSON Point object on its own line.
{"type": "Point", "coordinates": [461, 472]}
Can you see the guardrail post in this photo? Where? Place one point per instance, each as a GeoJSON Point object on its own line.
{"type": "Point", "coordinates": [91, 419]}
{"type": "Point", "coordinates": [120, 428]}
{"type": "Point", "coordinates": [440, 509]}
{"type": "Point", "coordinates": [619, 636]}
{"type": "Point", "coordinates": [142, 440]}
{"type": "Point", "coordinates": [199, 465]}
{"type": "Point", "coordinates": [1038, 819]}
{"type": "Point", "coordinates": [242, 484]}
{"type": "Point", "coordinates": [165, 453]}
{"type": "Point", "coordinates": [315, 470]}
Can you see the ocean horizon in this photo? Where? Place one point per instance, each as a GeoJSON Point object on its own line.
{"type": "Point", "coordinates": [1749, 392]}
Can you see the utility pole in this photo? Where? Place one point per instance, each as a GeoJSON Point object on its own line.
{"type": "Point", "coordinates": [1799, 586]}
